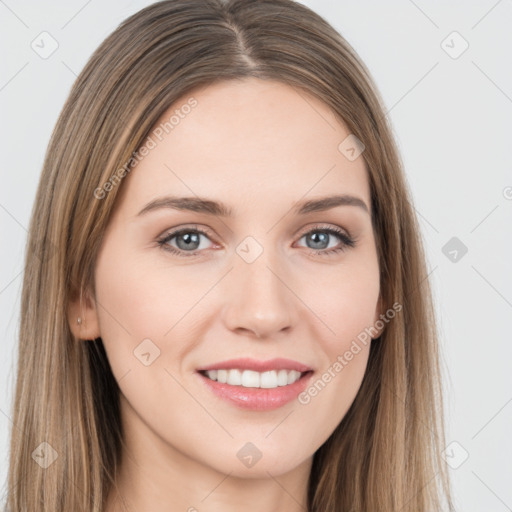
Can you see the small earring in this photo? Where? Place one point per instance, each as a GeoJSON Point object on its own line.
{"type": "Point", "coordinates": [79, 321]}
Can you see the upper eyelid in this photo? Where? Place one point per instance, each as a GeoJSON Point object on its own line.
{"type": "Point", "coordinates": [202, 230]}
{"type": "Point", "coordinates": [172, 233]}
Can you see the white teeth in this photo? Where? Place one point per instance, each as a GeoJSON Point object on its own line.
{"type": "Point", "coordinates": [269, 379]}
{"type": "Point", "coordinates": [282, 378]}
{"type": "Point", "coordinates": [234, 377]}
{"type": "Point", "coordinates": [293, 376]}
{"type": "Point", "coordinates": [251, 379]}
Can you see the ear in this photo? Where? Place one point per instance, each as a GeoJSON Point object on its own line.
{"type": "Point", "coordinates": [379, 309]}
{"type": "Point", "coordinates": [83, 316]}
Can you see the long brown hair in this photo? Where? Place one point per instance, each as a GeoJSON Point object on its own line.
{"type": "Point", "coordinates": [385, 453]}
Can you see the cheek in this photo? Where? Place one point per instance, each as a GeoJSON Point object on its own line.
{"type": "Point", "coordinates": [348, 312]}
{"type": "Point", "coordinates": [129, 307]}
{"type": "Point", "coordinates": [333, 390]}
{"type": "Point", "coordinates": [345, 300]}
{"type": "Point", "coordinates": [137, 302]}
{"type": "Point", "coordinates": [139, 298]}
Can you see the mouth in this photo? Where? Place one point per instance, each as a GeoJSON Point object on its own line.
{"type": "Point", "coordinates": [252, 379]}
{"type": "Point", "coordinates": [256, 385]}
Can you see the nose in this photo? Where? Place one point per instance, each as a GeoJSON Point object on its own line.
{"type": "Point", "coordinates": [259, 299]}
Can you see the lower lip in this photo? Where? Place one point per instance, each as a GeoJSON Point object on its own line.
{"type": "Point", "coordinates": [258, 399]}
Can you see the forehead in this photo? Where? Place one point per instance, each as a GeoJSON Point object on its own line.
{"type": "Point", "coordinates": [246, 142]}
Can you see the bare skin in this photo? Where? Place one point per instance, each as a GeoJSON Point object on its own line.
{"type": "Point", "coordinates": [260, 148]}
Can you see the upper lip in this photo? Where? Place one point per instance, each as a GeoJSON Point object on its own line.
{"type": "Point", "coordinates": [257, 365]}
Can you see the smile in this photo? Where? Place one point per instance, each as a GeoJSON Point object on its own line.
{"type": "Point", "coordinates": [255, 384]}
{"type": "Point", "coordinates": [253, 379]}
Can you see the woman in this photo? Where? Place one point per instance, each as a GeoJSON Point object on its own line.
{"type": "Point", "coordinates": [225, 300]}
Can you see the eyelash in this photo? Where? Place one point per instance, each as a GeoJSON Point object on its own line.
{"type": "Point", "coordinates": [346, 241]}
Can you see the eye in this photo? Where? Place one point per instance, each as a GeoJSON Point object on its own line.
{"type": "Point", "coordinates": [320, 237]}
{"type": "Point", "coordinates": [188, 240]}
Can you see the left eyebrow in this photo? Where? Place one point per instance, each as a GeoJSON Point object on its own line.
{"type": "Point", "coordinates": [211, 207]}
{"type": "Point", "coordinates": [326, 203]}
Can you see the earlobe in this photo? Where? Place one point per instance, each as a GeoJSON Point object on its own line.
{"type": "Point", "coordinates": [83, 317]}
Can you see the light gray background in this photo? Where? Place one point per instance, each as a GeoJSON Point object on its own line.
{"type": "Point", "coordinates": [452, 120]}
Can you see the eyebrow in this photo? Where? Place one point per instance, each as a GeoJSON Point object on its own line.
{"type": "Point", "coordinates": [217, 208]}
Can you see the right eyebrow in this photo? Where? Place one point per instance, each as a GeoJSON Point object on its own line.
{"type": "Point", "coordinates": [193, 204]}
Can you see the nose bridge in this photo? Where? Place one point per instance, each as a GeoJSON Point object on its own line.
{"type": "Point", "coordinates": [258, 299]}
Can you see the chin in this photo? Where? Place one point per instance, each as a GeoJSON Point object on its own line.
{"type": "Point", "coordinates": [251, 462]}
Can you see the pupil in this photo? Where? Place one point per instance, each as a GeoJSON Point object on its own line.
{"type": "Point", "coordinates": [316, 236]}
{"type": "Point", "coordinates": [190, 238]}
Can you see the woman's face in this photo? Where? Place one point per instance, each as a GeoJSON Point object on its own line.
{"type": "Point", "coordinates": [261, 284]}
